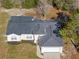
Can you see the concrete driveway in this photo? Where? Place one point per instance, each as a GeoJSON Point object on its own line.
{"type": "Point", "coordinates": [51, 55]}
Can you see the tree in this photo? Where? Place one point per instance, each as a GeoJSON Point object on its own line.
{"type": "Point", "coordinates": [56, 3]}
{"type": "Point", "coordinates": [68, 5]}
{"type": "Point", "coordinates": [76, 30]}
{"type": "Point", "coordinates": [62, 4]}
{"type": "Point", "coordinates": [62, 20]}
{"type": "Point", "coordinates": [7, 4]}
{"type": "Point", "coordinates": [30, 3]}
{"type": "Point", "coordinates": [72, 29]}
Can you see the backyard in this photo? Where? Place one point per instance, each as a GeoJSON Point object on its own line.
{"type": "Point", "coordinates": [23, 50]}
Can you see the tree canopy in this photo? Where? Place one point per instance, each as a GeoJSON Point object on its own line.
{"type": "Point", "coordinates": [7, 4]}
{"type": "Point", "coordinates": [72, 29]}
{"type": "Point", "coordinates": [30, 3]}
{"type": "Point", "coordinates": [62, 4]}
{"type": "Point", "coordinates": [25, 3]}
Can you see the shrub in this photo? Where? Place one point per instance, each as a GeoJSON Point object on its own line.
{"type": "Point", "coordinates": [62, 20]}
{"type": "Point", "coordinates": [7, 4]}
{"type": "Point", "coordinates": [62, 4]}
{"type": "Point", "coordinates": [30, 3]}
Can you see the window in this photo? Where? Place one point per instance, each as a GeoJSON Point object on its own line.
{"type": "Point", "coordinates": [29, 37]}
{"type": "Point", "coordinates": [14, 38]}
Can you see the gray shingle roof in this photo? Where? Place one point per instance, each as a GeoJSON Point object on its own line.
{"type": "Point", "coordinates": [21, 19]}
{"type": "Point", "coordinates": [50, 39]}
{"type": "Point", "coordinates": [53, 41]}
{"type": "Point", "coordinates": [25, 28]}
{"type": "Point", "coordinates": [25, 25]}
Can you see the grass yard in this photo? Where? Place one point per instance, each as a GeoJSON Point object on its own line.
{"type": "Point", "coordinates": [8, 51]}
{"type": "Point", "coordinates": [22, 51]}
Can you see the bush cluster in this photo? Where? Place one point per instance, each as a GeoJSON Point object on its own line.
{"type": "Point", "coordinates": [23, 4]}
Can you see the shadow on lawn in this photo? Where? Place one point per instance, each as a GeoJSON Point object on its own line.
{"type": "Point", "coordinates": [14, 43]}
{"type": "Point", "coordinates": [17, 43]}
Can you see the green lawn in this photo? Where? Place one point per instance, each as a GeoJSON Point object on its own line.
{"type": "Point", "coordinates": [8, 51]}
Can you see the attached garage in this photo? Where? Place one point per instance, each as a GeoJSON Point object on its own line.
{"type": "Point", "coordinates": [51, 55]}
{"type": "Point", "coordinates": [51, 46]}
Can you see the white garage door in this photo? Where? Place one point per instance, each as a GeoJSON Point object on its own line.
{"type": "Point", "coordinates": [51, 55]}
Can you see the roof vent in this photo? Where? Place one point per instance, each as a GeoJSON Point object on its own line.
{"type": "Point", "coordinates": [33, 18]}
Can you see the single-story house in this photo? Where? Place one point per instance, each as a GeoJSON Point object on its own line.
{"type": "Point", "coordinates": [40, 32]}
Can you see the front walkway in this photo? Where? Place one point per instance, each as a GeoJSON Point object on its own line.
{"type": "Point", "coordinates": [39, 52]}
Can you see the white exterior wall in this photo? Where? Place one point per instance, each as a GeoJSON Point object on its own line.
{"type": "Point", "coordinates": [31, 37]}
{"type": "Point", "coordinates": [51, 49]}
{"type": "Point", "coordinates": [27, 37]}
{"type": "Point", "coordinates": [9, 37]}
{"type": "Point", "coordinates": [24, 37]}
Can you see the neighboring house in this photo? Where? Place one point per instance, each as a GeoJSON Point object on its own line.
{"type": "Point", "coordinates": [40, 32]}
